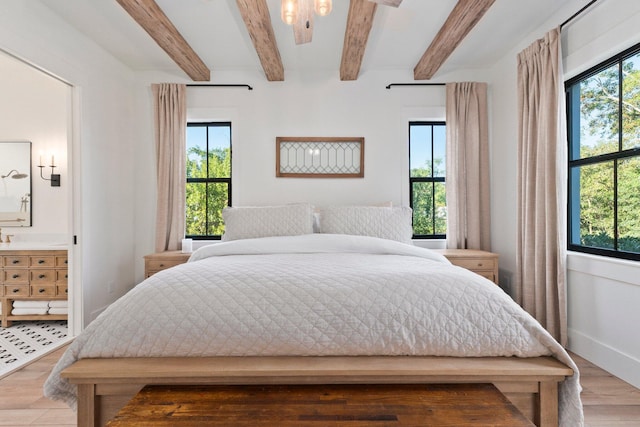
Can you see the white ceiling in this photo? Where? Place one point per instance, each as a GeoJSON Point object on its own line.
{"type": "Point", "coordinates": [215, 30]}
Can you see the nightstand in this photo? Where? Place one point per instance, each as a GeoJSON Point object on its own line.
{"type": "Point", "coordinates": [481, 262]}
{"type": "Point", "coordinates": [163, 260]}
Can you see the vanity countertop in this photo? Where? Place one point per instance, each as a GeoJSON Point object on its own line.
{"type": "Point", "coordinates": [33, 246]}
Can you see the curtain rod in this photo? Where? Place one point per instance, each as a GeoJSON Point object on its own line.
{"type": "Point", "coordinates": [219, 85]}
{"type": "Point", "coordinates": [414, 84]}
{"type": "Point", "coordinates": [578, 13]}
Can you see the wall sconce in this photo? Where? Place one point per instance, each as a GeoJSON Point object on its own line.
{"type": "Point", "coordinates": [55, 178]}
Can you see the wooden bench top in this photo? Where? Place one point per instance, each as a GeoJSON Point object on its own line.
{"type": "Point", "coordinates": [314, 405]}
{"type": "Point", "coordinates": [328, 369]}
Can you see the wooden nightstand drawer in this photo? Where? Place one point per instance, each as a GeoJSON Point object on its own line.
{"type": "Point", "coordinates": [475, 263]}
{"type": "Point", "coordinates": [482, 263]}
{"type": "Point", "coordinates": [154, 263]}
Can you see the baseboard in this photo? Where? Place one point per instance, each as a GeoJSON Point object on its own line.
{"type": "Point", "coordinates": [621, 365]}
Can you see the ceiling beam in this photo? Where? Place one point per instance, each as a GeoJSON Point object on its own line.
{"type": "Point", "coordinates": [464, 16]}
{"type": "Point", "coordinates": [394, 3]}
{"type": "Point", "coordinates": [255, 15]}
{"type": "Point", "coordinates": [359, 23]}
{"type": "Point", "coordinates": [153, 20]}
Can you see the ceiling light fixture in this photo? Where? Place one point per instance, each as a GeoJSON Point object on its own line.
{"type": "Point", "coordinates": [322, 7]}
{"type": "Point", "coordinates": [289, 9]}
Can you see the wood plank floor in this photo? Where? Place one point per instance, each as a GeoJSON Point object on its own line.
{"type": "Point", "coordinates": [608, 401]}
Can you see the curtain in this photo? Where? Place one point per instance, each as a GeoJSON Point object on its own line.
{"type": "Point", "coordinates": [170, 108]}
{"type": "Point", "coordinates": [541, 198]}
{"type": "Point", "coordinates": [467, 174]}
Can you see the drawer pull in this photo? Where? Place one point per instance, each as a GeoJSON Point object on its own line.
{"type": "Point", "coordinates": [41, 290]}
{"type": "Point", "coordinates": [41, 261]}
{"type": "Point", "coordinates": [66, 291]}
{"type": "Point", "coordinates": [15, 276]}
{"type": "Point", "coordinates": [42, 276]}
{"type": "Point", "coordinates": [480, 264]}
{"type": "Point", "coordinates": [15, 290]}
{"type": "Point", "coordinates": [15, 261]}
{"type": "Point", "coordinates": [161, 265]}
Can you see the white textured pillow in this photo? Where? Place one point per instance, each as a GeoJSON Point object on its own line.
{"type": "Point", "coordinates": [267, 221]}
{"type": "Point", "coordinates": [385, 223]}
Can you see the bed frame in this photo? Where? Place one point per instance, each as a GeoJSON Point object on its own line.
{"type": "Point", "coordinates": [106, 385]}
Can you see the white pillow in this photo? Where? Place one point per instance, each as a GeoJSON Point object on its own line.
{"type": "Point", "coordinates": [382, 222]}
{"type": "Point", "coordinates": [316, 214]}
{"type": "Point", "coordinates": [266, 221]}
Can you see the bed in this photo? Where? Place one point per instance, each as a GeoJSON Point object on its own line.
{"type": "Point", "coordinates": [312, 305]}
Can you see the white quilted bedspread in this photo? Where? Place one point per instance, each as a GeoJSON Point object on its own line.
{"type": "Point", "coordinates": [315, 295]}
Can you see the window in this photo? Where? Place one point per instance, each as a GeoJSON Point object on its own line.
{"type": "Point", "coordinates": [427, 149]}
{"type": "Point", "coordinates": [603, 117]}
{"type": "Point", "coordinates": [208, 188]}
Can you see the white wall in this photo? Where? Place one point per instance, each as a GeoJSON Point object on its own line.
{"type": "Point", "coordinates": [34, 107]}
{"type": "Point", "coordinates": [307, 104]}
{"type": "Point", "coordinates": [102, 182]}
{"type": "Point", "coordinates": [603, 294]}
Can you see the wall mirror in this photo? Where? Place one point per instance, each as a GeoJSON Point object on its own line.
{"type": "Point", "coordinates": [15, 184]}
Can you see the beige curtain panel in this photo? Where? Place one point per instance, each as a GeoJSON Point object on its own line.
{"type": "Point", "coordinates": [467, 175]}
{"type": "Point", "coordinates": [170, 106]}
{"type": "Point", "coordinates": [541, 287]}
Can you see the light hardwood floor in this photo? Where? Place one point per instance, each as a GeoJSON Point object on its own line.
{"type": "Point", "coordinates": [608, 401]}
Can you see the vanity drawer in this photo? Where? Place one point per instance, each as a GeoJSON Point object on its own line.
{"type": "Point", "coordinates": [16, 277]}
{"type": "Point", "coordinates": [45, 261]}
{"type": "Point", "coordinates": [62, 290]}
{"type": "Point", "coordinates": [43, 277]}
{"type": "Point", "coordinates": [61, 277]}
{"type": "Point", "coordinates": [16, 261]}
{"type": "Point", "coordinates": [16, 290]}
{"type": "Point", "coordinates": [43, 290]}
{"type": "Point", "coordinates": [62, 261]}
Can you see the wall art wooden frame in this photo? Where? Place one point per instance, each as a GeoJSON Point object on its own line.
{"type": "Point", "coordinates": [319, 157]}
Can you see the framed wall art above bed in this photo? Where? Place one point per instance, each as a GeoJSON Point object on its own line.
{"type": "Point", "coordinates": [320, 157]}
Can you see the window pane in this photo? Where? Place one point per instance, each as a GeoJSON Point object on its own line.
{"type": "Point", "coordinates": [631, 102]}
{"type": "Point", "coordinates": [439, 150]}
{"type": "Point", "coordinates": [422, 204]}
{"type": "Point", "coordinates": [219, 152]}
{"type": "Point", "coordinates": [599, 113]}
{"type": "Point", "coordinates": [629, 205]}
{"type": "Point", "coordinates": [195, 209]}
{"type": "Point", "coordinates": [597, 205]}
{"type": "Point", "coordinates": [441, 208]}
{"type": "Point", "coordinates": [196, 151]}
{"type": "Point", "coordinates": [420, 150]}
{"type": "Point", "coordinates": [201, 221]}
{"type": "Point", "coordinates": [218, 199]}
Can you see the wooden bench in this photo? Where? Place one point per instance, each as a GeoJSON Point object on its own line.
{"type": "Point", "coordinates": [106, 385]}
{"type": "Point", "coordinates": [351, 405]}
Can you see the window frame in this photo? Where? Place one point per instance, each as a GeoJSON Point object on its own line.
{"type": "Point", "coordinates": [215, 180]}
{"type": "Point", "coordinates": [614, 157]}
{"type": "Point", "coordinates": [433, 180]}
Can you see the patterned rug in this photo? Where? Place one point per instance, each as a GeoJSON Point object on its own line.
{"type": "Point", "coordinates": [26, 341]}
